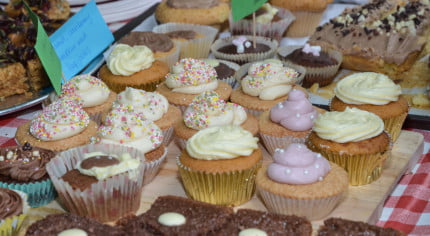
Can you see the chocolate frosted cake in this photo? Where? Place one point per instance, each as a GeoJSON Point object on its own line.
{"type": "Point", "coordinates": [74, 224]}
{"type": "Point", "coordinates": [339, 226]}
{"type": "Point", "coordinates": [24, 168]}
{"type": "Point", "coordinates": [253, 222]}
{"type": "Point", "coordinates": [308, 59]}
{"type": "Point", "coordinates": [185, 217]}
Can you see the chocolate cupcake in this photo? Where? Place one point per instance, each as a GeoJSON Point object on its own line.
{"type": "Point", "coordinates": [162, 46]}
{"type": "Point", "coordinates": [321, 64]}
{"type": "Point", "coordinates": [23, 168]}
{"type": "Point", "coordinates": [57, 224]}
{"type": "Point", "coordinates": [240, 49]}
{"type": "Point", "coordinates": [225, 70]}
{"type": "Point", "coordinates": [13, 211]}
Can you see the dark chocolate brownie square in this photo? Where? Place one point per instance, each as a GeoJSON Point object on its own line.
{"type": "Point", "coordinates": [200, 218]}
{"type": "Point", "coordinates": [339, 226]}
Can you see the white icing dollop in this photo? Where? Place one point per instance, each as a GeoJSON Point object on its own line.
{"type": "Point", "coordinates": [126, 60]}
{"type": "Point", "coordinates": [90, 89]}
{"type": "Point", "coordinates": [172, 219]}
{"type": "Point", "coordinates": [73, 232]}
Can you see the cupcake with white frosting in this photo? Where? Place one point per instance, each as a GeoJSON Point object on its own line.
{"type": "Point", "coordinates": [376, 93]}
{"type": "Point", "coordinates": [188, 78]}
{"type": "Point", "coordinates": [125, 126]}
{"type": "Point", "coordinates": [96, 96]}
{"type": "Point", "coordinates": [266, 84]}
{"type": "Point", "coordinates": [354, 139]}
{"type": "Point", "coordinates": [208, 110]}
{"type": "Point", "coordinates": [301, 182]}
{"type": "Point", "coordinates": [132, 66]}
{"type": "Point", "coordinates": [59, 126]}
{"type": "Point", "coordinates": [153, 106]}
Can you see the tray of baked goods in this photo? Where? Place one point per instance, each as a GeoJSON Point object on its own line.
{"type": "Point", "coordinates": [183, 131]}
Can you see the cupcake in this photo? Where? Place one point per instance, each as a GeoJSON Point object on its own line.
{"type": "Point", "coordinates": [188, 78]}
{"type": "Point", "coordinates": [241, 49]}
{"type": "Point", "coordinates": [254, 222]}
{"type": "Point", "coordinates": [211, 12]}
{"type": "Point", "coordinates": [287, 122]}
{"type": "Point", "coordinates": [193, 40]}
{"type": "Point", "coordinates": [96, 96]}
{"type": "Point", "coordinates": [321, 64]}
{"type": "Point", "coordinates": [14, 209]}
{"type": "Point", "coordinates": [270, 22]}
{"type": "Point", "coordinates": [174, 215]}
{"type": "Point", "coordinates": [207, 110]}
{"type": "Point", "coordinates": [23, 168]}
{"type": "Point", "coordinates": [71, 224]}
{"type": "Point", "coordinates": [154, 107]}
{"type": "Point", "coordinates": [219, 165]}
{"type": "Point", "coordinates": [101, 181]}
{"type": "Point", "coordinates": [161, 45]}
{"type": "Point", "coordinates": [375, 93]}
{"type": "Point", "coordinates": [125, 126]}
{"type": "Point", "coordinates": [60, 126]}
{"type": "Point", "coordinates": [128, 66]}
{"type": "Point", "coordinates": [301, 182]}
{"type": "Point", "coordinates": [308, 14]}
{"type": "Point", "coordinates": [355, 140]}
{"type": "Point", "coordinates": [225, 70]}
{"type": "Point", "coordinates": [267, 83]}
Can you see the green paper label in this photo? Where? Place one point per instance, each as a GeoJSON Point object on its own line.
{"type": "Point", "coordinates": [242, 8]}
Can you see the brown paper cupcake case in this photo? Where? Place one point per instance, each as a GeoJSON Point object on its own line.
{"type": "Point", "coordinates": [194, 48]}
{"type": "Point", "coordinates": [106, 200]}
{"type": "Point", "coordinates": [229, 189]}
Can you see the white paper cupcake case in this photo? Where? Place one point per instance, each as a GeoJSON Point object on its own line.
{"type": "Point", "coordinates": [172, 58]}
{"type": "Point", "coordinates": [152, 168]}
{"type": "Point", "coordinates": [194, 48]}
{"type": "Point", "coordinates": [167, 136]}
{"type": "Point", "coordinates": [106, 200]}
{"type": "Point", "coordinates": [312, 209]}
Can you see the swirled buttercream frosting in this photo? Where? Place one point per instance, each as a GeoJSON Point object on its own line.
{"type": "Point", "coordinates": [192, 3]}
{"type": "Point", "coordinates": [24, 163]}
{"type": "Point", "coordinates": [61, 119]}
{"type": "Point", "coordinates": [102, 166]}
{"type": "Point", "coordinates": [11, 203]}
{"type": "Point", "coordinates": [269, 80]}
{"type": "Point", "coordinates": [367, 88]}
{"type": "Point", "coordinates": [350, 125]}
{"type": "Point", "coordinates": [191, 76]}
{"type": "Point", "coordinates": [90, 89]}
{"type": "Point", "coordinates": [208, 109]}
{"type": "Point", "coordinates": [126, 126]}
{"type": "Point", "coordinates": [153, 105]}
{"type": "Point", "coordinates": [221, 142]}
{"type": "Point", "coordinates": [126, 60]}
{"type": "Point", "coordinates": [296, 164]}
{"type": "Point", "coordinates": [296, 113]}
{"type": "Point", "coordinates": [155, 41]}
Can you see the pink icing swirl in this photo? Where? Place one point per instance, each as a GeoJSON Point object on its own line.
{"type": "Point", "coordinates": [297, 165]}
{"type": "Point", "coordinates": [296, 113]}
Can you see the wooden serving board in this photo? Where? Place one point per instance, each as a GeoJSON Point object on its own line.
{"type": "Point", "coordinates": [362, 203]}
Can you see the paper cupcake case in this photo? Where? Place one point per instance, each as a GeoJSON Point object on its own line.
{"type": "Point", "coordinates": [321, 75]}
{"type": "Point", "coordinates": [244, 57]}
{"type": "Point", "coordinates": [312, 209]}
{"type": "Point", "coordinates": [106, 200]}
{"type": "Point", "coordinates": [232, 81]}
{"type": "Point", "coordinates": [167, 136]}
{"type": "Point", "coordinates": [170, 59]}
{"type": "Point", "coordinates": [271, 143]}
{"type": "Point", "coordinates": [152, 168]}
{"type": "Point", "coordinates": [274, 30]}
{"type": "Point", "coordinates": [38, 193]}
{"type": "Point", "coordinates": [12, 225]}
{"type": "Point", "coordinates": [229, 189]}
{"type": "Point", "coordinates": [193, 48]}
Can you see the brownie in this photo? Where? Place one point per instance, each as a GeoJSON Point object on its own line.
{"type": "Point", "coordinates": [232, 49]}
{"type": "Point", "coordinates": [308, 59]}
{"type": "Point", "coordinates": [271, 223]}
{"type": "Point", "coordinates": [201, 218]}
{"type": "Point", "coordinates": [339, 226]}
{"type": "Point", "coordinates": [56, 223]}
{"type": "Point", "coordinates": [224, 71]}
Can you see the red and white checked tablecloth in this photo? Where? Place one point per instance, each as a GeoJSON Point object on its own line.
{"type": "Point", "coordinates": [406, 209]}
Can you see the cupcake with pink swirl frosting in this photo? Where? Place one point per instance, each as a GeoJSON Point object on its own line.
{"type": "Point", "coordinates": [301, 182]}
{"type": "Point", "coordinates": [59, 126]}
{"type": "Point", "coordinates": [288, 122]}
